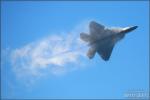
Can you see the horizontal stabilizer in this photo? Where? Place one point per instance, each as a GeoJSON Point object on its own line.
{"type": "Point", "coordinates": [85, 37]}
{"type": "Point", "coordinates": [91, 52]}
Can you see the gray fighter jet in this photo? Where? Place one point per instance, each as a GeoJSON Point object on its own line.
{"type": "Point", "coordinates": [102, 39]}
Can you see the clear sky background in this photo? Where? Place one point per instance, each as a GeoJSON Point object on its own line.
{"type": "Point", "coordinates": [27, 71]}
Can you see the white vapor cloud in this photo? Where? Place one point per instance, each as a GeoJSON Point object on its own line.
{"type": "Point", "coordinates": [55, 54]}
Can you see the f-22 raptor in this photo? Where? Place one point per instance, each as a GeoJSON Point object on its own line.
{"type": "Point", "coordinates": [102, 40]}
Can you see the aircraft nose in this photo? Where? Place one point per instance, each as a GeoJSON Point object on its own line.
{"type": "Point", "coordinates": [131, 28]}
{"type": "Point", "coordinates": [134, 27]}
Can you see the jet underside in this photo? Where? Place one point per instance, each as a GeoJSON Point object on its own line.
{"type": "Point", "coordinates": [102, 40]}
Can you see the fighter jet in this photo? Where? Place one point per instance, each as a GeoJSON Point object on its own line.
{"type": "Point", "coordinates": [102, 40]}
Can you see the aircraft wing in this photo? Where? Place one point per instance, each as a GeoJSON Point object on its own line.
{"type": "Point", "coordinates": [96, 29]}
{"type": "Point", "coordinates": [105, 52]}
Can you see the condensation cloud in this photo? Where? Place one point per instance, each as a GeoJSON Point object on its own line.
{"type": "Point", "coordinates": [55, 55]}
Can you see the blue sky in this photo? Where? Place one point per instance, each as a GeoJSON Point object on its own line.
{"type": "Point", "coordinates": [32, 31]}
